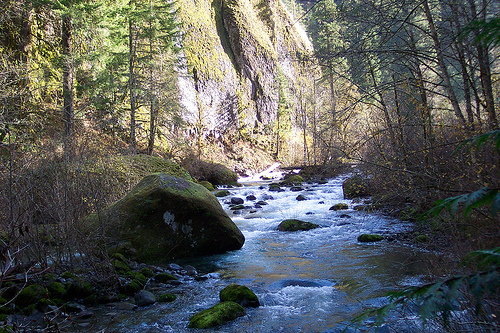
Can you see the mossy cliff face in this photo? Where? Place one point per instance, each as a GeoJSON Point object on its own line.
{"type": "Point", "coordinates": [238, 53]}
{"type": "Point", "coordinates": [166, 217]}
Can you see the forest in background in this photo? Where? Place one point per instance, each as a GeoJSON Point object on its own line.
{"type": "Point", "coordinates": [398, 87]}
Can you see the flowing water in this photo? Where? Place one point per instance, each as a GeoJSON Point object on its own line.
{"type": "Point", "coordinates": [307, 281]}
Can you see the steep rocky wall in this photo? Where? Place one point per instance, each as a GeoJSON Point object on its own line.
{"type": "Point", "coordinates": [237, 54]}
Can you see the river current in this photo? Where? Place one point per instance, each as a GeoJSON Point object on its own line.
{"type": "Point", "coordinates": [307, 281]}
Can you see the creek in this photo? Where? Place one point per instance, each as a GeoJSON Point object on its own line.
{"type": "Point", "coordinates": [307, 281]}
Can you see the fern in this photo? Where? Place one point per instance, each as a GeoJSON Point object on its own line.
{"type": "Point", "coordinates": [468, 201]}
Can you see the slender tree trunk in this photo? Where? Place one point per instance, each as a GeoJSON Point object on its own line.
{"type": "Point", "coordinates": [68, 77]}
{"type": "Point", "coordinates": [132, 86]}
{"type": "Point", "coordinates": [485, 70]}
{"type": "Point", "coordinates": [442, 65]}
{"type": "Point", "coordinates": [388, 121]}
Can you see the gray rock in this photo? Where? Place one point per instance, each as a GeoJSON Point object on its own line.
{"type": "Point", "coordinates": [301, 197]}
{"type": "Point", "coordinates": [168, 216]}
{"type": "Point", "coordinates": [144, 298]}
{"type": "Point", "coordinates": [237, 201]}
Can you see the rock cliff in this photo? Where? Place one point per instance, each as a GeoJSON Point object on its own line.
{"type": "Point", "coordinates": [239, 57]}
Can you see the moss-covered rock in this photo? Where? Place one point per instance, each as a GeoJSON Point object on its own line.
{"type": "Point", "coordinates": [167, 298]}
{"type": "Point", "coordinates": [215, 173]}
{"type": "Point", "coordinates": [147, 272]}
{"type": "Point", "coordinates": [78, 287]}
{"type": "Point", "coordinates": [355, 187]}
{"type": "Point", "coordinates": [120, 266]}
{"type": "Point", "coordinates": [131, 287]}
{"type": "Point", "coordinates": [239, 294]}
{"type": "Point", "coordinates": [164, 277]}
{"type": "Point", "coordinates": [367, 238]}
{"type": "Point", "coordinates": [339, 206]}
{"type": "Point", "coordinates": [293, 180]}
{"type": "Point", "coordinates": [31, 295]}
{"type": "Point", "coordinates": [296, 225]}
{"type": "Point", "coordinates": [216, 315]}
{"type": "Point", "coordinates": [168, 217]}
{"type": "Point", "coordinates": [56, 289]}
{"type": "Point", "coordinates": [132, 168]}
{"type": "Point", "coordinates": [222, 193]}
{"type": "Point", "coordinates": [275, 188]}
{"type": "Point", "coordinates": [207, 185]}
{"type": "Point", "coordinates": [301, 197]}
{"type": "Point", "coordinates": [421, 239]}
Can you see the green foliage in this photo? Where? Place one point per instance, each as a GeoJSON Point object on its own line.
{"type": "Point", "coordinates": [486, 31]}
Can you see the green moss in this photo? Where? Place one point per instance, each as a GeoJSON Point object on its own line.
{"type": "Point", "coordinates": [130, 287]}
{"type": "Point", "coordinates": [339, 206]}
{"type": "Point", "coordinates": [421, 239]}
{"type": "Point", "coordinates": [164, 277]}
{"type": "Point", "coordinates": [137, 276]}
{"type": "Point", "coordinates": [79, 288]}
{"type": "Point", "coordinates": [147, 272]}
{"type": "Point", "coordinates": [216, 315]}
{"type": "Point", "coordinates": [238, 207]}
{"type": "Point", "coordinates": [167, 298]}
{"type": "Point", "coordinates": [56, 289]}
{"type": "Point", "coordinates": [296, 225]}
{"type": "Point", "coordinates": [239, 294]}
{"type": "Point", "coordinates": [293, 180]}
{"type": "Point", "coordinates": [366, 238]}
{"type": "Point", "coordinates": [31, 295]}
{"type": "Point", "coordinates": [222, 193]}
{"type": "Point", "coordinates": [120, 266]}
{"type": "Point", "coordinates": [68, 275]}
{"type": "Point", "coordinates": [207, 185]}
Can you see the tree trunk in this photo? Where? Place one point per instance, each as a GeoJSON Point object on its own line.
{"type": "Point", "coordinates": [68, 76]}
{"type": "Point", "coordinates": [442, 65]}
{"type": "Point", "coordinates": [132, 86]}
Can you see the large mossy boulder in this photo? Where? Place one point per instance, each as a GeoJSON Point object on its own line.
{"type": "Point", "coordinates": [355, 187]}
{"type": "Point", "coordinates": [239, 294]}
{"type": "Point", "coordinates": [216, 315]}
{"type": "Point", "coordinates": [296, 225]}
{"type": "Point", "coordinates": [215, 173]}
{"type": "Point", "coordinates": [165, 217]}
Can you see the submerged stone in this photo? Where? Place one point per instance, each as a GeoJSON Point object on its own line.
{"type": "Point", "coordinates": [216, 315]}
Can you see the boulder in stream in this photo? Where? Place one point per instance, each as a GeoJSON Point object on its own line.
{"type": "Point", "coordinates": [168, 217]}
{"type": "Point", "coordinates": [367, 238]}
{"type": "Point", "coordinates": [296, 225]}
{"type": "Point", "coordinates": [216, 315]}
{"type": "Point", "coordinates": [239, 294]}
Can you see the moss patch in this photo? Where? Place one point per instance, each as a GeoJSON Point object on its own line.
{"type": "Point", "coordinates": [367, 238]}
{"type": "Point", "coordinates": [216, 315]}
{"type": "Point", "coordinates": [239, 294]}
{"type": "Point", "coordinates": [339, 206]}
{"type": "Point", "coordinates": [296, 225]}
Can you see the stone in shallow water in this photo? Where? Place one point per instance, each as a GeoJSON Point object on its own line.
{"type": "Point", "coordinates": [144, 298]}
{"type": "Point", "coordinates": [367, 238]}
{"type": "Point", "coordinates": [239, 294]}
{"type": "Point", "coordinates": [216, 315]}
{"type": "Point", "coordinates": [296, 225]}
